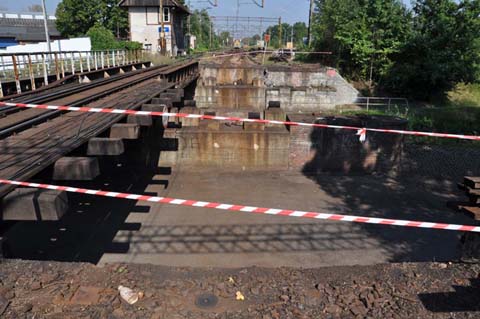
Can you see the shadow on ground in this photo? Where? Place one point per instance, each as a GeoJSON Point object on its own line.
{"type": "Point", "coordinates": [268, 238]}
{"type": "Point", "coordinates": [461, 300]}
{"type": "Point", "coordinates": [91, 223]}
{"type": "Point", "coordinates": [385, 195]}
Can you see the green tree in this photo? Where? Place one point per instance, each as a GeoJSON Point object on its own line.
{"type": "Point", "coordinates": [75, 18]}
{"type": "Point", "coordinates": [201, 26]}
{"type": "Point", "coordinates": [362, 34]}
{"type": "Point", "coordinates": [300, 31]}
{"type": "Point", "coordinates": [443, 50]}
{"type": "Point", "coordinates": [275, 33]}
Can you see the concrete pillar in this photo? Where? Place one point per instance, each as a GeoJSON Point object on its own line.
{"type": "Point", "coordinates": [76, 169]}
{"type": "Point", "coordinates": [31, 204]}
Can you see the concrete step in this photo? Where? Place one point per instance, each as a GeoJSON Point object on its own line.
{"type": "Point", "coordinates": [126, 131]}
{"type": "Point", "coordinates": [142, 120]}
{"type": "Point", "coordinates": [99, 146]}
{"type": "Point", "coordinates": [30, 204]}
{"type": "Point", "coordinates": [162, 101]}
{"type": "Point", "coordinates": [76, 169]}
{"type": "Point", "coordinates": [155, 107]}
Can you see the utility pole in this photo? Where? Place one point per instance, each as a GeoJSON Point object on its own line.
{"type": "Point", "coordinates": [291, 41]}
{"type": "Point", "coordinates": [45, 23]}
{"type": "Point", "coordinates": [211, 26]}
{"type": "Point", "coordinates": [280, 32]}
{"type": "Point", "coordinates": [162, 40]}
{"type": "Point", "coordinates": [310, 20]}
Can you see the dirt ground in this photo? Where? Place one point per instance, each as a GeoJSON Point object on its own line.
{"type": "Point", "coordinates": [77, 290]}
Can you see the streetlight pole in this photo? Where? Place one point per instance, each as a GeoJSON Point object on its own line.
{"type": "Point", "coordinates": [45, 23]}
{"type": "Point", "coordinates": [310, 21]}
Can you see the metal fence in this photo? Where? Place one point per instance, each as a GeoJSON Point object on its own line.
{"type": "Point", "coordinates": [18, 66]}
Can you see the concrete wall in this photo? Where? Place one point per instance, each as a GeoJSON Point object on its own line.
{"type": "Point", "coordinates": [316, 150]}
{"type": "Point", "coordinates": [297, 88]}
{"type": "Point", "coordinates": [233, 148]}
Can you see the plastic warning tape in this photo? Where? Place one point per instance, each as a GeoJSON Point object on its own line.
{"type": "Point", "coordinates": [252, 209]}
{"type": "Point", "coordinates": [361, 131]}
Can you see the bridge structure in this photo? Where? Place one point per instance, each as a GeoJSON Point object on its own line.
{"type": "Point", "coordinates": [67, 145]}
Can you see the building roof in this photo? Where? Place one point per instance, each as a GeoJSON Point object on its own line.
{"type": "Point", "coordinates": [153, 3]}
{"type": "Point", "coordinates": [26, 30]}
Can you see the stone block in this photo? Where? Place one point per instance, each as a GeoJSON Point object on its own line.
{"type": "Point", "coordinates": [142, 120]}
{"type": "Point", "coordinates": [172, 96]}
{"type": "Point", "coordinates": [190, 121]}
{"type": "Point", "coordinates": [248, 126]}
{"type": "Point", "coordinates": [99, 146]}
{"type": "Point", "coordinates": [178, 92]}
{"type": "Point", "coordinates": [162, 101]}
{"type": "Point", "coordinates": [31, 204]}
{"type": "Point", "coordinates": [210, 125]}
{"type": "Point", "coordinates": [125, 131]}
{"type": "Point", "coordinates": [76, 169]}
{"type": "Point", "coordinates": [275, 114]}
{"type": "Point", "coordinates": [154, 107]}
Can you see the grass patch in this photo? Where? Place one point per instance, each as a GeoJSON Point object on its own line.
{"type": "Point", "coordinates": [465, 95]}
{"type": "Point", "coordinates": [454, 120]}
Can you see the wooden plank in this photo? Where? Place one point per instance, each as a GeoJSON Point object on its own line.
{"type": "Point", "coordinates": [472, 181]}
{"type": "Point", "coordinates": [472, 211]}
{"type": "Point", "coordinates": [465, 208]}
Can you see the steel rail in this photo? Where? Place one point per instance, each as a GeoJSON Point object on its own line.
{"type": "Point", "coordinates": [79, 88]}
{"type": "Point", "coordinates": [21, 126]}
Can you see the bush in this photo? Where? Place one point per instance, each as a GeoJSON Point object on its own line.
{"type": "Point", "coordinates": [103, 39]}
{"type": "Point", "coordinates": [132, 45]}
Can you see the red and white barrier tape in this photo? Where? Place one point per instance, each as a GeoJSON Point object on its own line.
{"type": "Point", "coordinates": [252, 209]}
{"type": "Point", "coordinates": [361, 131]}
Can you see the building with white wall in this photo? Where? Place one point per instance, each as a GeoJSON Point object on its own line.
{"type": "Point", "coordinates": [145, 24]}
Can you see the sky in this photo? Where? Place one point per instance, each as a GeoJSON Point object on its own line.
{"type": "Point", "coordinates": [289, 10]}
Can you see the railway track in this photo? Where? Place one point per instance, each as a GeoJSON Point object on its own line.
{"type": "Point", "coordinates": [32, 139]}
{"type": "Point", "coordinates": [15, 119]}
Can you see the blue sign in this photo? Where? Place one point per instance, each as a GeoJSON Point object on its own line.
{"type": "Point", "coordinates": [167, 29]}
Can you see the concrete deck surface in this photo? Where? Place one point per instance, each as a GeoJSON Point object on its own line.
{"type": "Point", "coordinates": [185, 236]}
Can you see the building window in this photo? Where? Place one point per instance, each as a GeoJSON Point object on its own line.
{"type": "Point", "coordinates": [166, 14]}
{"type": "Point", "coordinates": [153, 15]}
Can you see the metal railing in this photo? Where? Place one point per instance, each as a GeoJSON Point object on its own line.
{"type": "Point", "coordinates": [372, 101]}
{"type": "Point", "coordinates": [18, 66]}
